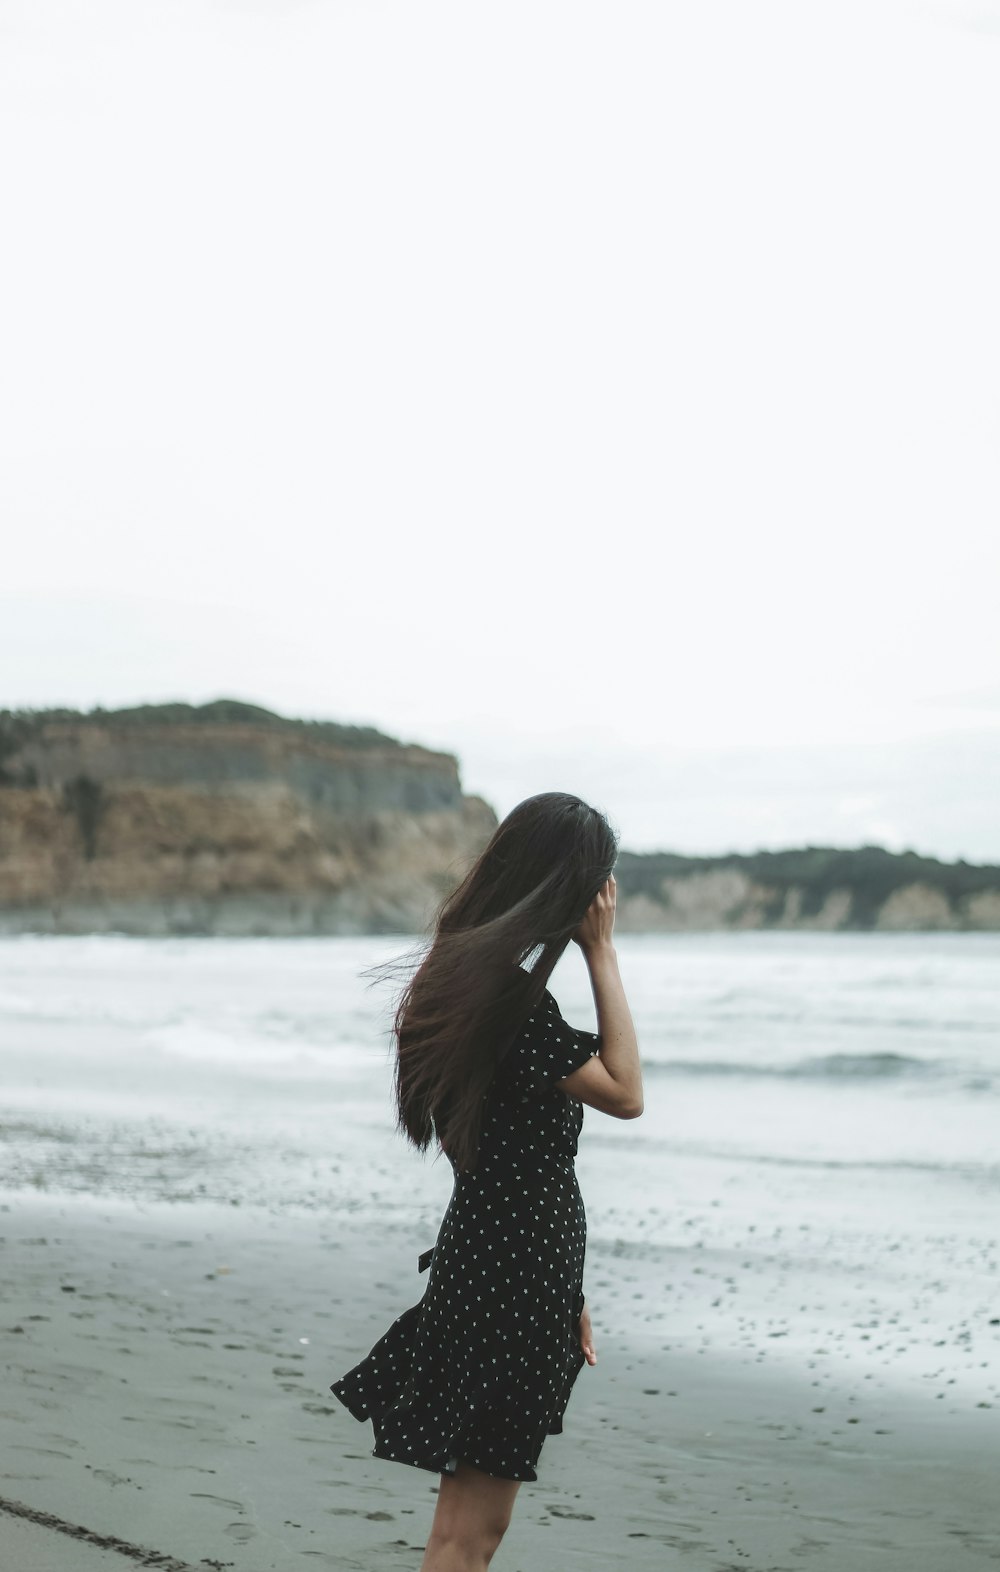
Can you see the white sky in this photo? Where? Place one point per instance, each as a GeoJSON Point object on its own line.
{"type": "Point", "coordinates": [608, 393]}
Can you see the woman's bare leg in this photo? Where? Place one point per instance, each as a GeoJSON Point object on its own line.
{"type": "Point", "coordinates": [471, 1517]}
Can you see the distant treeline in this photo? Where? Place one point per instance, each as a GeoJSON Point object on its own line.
{"type": "Point", "coordinates": [870, 873]}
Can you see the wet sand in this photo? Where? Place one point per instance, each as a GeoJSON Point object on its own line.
{"type": "Point", "coordinates": [167, 1371]}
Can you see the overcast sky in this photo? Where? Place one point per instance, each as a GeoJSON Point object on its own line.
{"type": "Point", "coordinates": [608, 393]}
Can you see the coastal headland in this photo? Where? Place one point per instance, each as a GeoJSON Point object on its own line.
{"type": "Point", "coordinates": [226, 818]}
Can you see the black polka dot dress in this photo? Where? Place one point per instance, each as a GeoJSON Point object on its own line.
{"type": "Point", "coordinates": [482, 1368]}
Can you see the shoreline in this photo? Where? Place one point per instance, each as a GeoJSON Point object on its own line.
{"type": "Point", "coordinates": [168, 1372]}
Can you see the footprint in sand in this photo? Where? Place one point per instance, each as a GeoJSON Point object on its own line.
{"type": "Point", "coordinates": [111, 1477]}
{"type": "Point", "coordinates": [241, 1532]}
{"type": "Point", "coordinates": [43, 1451]}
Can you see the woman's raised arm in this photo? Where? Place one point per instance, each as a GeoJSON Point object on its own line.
{"type": "Point", "coordinates": [612, 1081]}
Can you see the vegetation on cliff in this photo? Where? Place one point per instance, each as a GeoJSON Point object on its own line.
{"type": "Point", "coordinates": [23, 726]}
{"type": "Point", "coordinates": [869, 875]}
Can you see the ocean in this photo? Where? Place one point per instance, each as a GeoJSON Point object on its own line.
{"type": "Point", "coordinates": [820, 1108]}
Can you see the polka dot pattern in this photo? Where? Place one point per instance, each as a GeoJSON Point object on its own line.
{"type": "Point", "coordinates": [482, 1368]}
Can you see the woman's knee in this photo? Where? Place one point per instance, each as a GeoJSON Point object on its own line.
{"type": "Point", "coordinates": [473, 1513]}
{"type": "Point", "coordinates": [494, 1528]}
{"type": "Point", "coordinates": [471, 1537]}
{"type": "Point", "coordinates": [465, 1544]}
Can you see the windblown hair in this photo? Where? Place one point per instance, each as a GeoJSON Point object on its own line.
{"type": "Point", "coordinates": [459, 1014]}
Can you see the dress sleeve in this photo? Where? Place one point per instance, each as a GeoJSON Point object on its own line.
{"type": "Point", "coordinates": [550, 1049]}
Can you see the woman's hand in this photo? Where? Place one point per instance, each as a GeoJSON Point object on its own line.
{"type": "Point", "coordinates": [598, 924]}
{"type": "Point", "coordinates": [587, 1336]}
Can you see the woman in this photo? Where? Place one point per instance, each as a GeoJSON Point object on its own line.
{"type": "Point", "coordinates": [470, 1381]}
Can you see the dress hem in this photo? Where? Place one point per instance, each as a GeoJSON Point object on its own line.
{"type": "Point", "coordinates": [439, 1468]}
{"type": "Point", "coordinates": [383, 1453]}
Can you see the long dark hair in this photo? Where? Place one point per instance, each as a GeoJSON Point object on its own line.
{"type": "Point", "coordinates": [495, 943]}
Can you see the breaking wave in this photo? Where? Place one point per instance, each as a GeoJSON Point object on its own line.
{"type": "Point", "coordinates": [822, 1067]}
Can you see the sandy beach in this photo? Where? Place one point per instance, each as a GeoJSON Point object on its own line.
{"type": "Point", "coordinates": [166, 1373]}
{"type": "Point", "coordinates": [793, 1265]}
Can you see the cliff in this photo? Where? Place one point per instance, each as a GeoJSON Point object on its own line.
{"type": "Point", "coordinates": [816, 887]}
{"type": "Point", "coordinates": [224, 819]}
{"type": "Point", "coordinates": [229, 819]}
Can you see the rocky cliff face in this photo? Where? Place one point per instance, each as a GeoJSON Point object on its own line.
{"type": "Point", "coordinates": [817, 888]}
{"type": "Point", "coordinates": [229, 819]}
{"type": "Point", "coordinates": [225, 823]}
